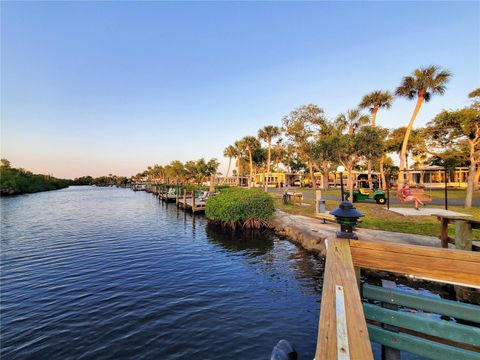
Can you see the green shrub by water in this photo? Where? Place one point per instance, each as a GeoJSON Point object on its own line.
{"type": "Point", "coordinates": [248, 208]}
{"type": "Point", "coordinates": [19, 181]}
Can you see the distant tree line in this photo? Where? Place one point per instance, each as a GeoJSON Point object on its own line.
{"type": "Point", "coordinates": [20, 181]}
{"type": "Point", "coordinates": [108, 180]}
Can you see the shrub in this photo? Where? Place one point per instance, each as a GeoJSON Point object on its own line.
{"type": "Point", "coordinates": [240, 207]}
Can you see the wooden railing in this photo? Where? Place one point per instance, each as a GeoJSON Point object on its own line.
{"type": "Point", "coordinates": [343, 331]}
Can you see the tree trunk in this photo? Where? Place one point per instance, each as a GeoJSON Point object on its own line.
{"type": "Point", "coordinates": [422, 177]}
{"type": "Point", "coordinates": [229, 163]}
{"type": "Point", "coordinates": [212, 183]}
{"type": "Point", "coordinates": [268, 164]}
{"type": "Point", "coordinates": [471, 176]}
{"type": "Point", "coordinates": [407, 168]}
{"type": "Point", "coordinates": [238, 168]}
{"type": "Point", "coordinates": [251, 168]}
{"type": "Point", "coordinates": [374, 115]}
{"type": "Point", "coordinates": [325, 179]}
{"type": "Point", "coordinates": [477, 178]}
{"type": "Point", "coordinates": [350, 181]}
{"type": "Point", "coordinates": [312, 175]}
{"type": "Point", "coordinates": [382, 172]}
{"type": "Point", "coordinates": [370, 182]}
{"type": "Point", "coordinates": [403, 152]}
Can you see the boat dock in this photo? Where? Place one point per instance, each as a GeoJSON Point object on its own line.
{"type": "Point", "coordinates": [183, 198]}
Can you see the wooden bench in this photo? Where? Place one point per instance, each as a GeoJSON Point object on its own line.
{"type": "Point", "coordinates": [325, 217]}
{"type": "Point", "coordinates": [418, 193]}
{"type": "Point", "coordinates": [421, 333]}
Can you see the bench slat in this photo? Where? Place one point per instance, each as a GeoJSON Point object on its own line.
{"type": "Point", "coordinates": [439, 306]}
{"type": "Point", "coordinates": [440, 328]}
{"type": "Point", "coordinates": [419, 346]}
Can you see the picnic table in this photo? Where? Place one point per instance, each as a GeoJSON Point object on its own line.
{"type": "Point", "coordinates": [293, 197]}
{"type": "Point", "coordinates": [463, 230]}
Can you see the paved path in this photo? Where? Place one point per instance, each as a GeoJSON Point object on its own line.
{"type": "Point", "coordinates": [425, 211]}
{"type": "Point", "coordinates": [311, 195]}
{"type": "Point", "coordinates": [311, 233]}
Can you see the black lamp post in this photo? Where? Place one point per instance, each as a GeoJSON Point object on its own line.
{"type": "Point", "coordinates": [347, 216]}
{"type": "Point", "coordinates": [341, 169]}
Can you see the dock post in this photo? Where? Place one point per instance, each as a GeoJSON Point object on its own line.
{"type": "Point", "coordinates": [463, 235]}
{"type": "Point", "coordinates": [193, 201]}
{"type": "Point", "coordinates": [184, 200]}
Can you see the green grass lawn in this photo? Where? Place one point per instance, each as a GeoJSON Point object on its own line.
{"type": "Point", "coordinates": [377, 217]}
{"type": "Point", "coordinates": [434, 193]}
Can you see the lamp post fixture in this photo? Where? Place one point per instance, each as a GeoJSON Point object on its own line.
{"type": "Point", "coordinates": [341, 169]}
{"type": "Point", "coordinates": [347, 216]}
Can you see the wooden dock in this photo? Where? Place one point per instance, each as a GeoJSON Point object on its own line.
{"type": "Point", "coordinates": [190, 203]}
{"type": "Point", "coordinates": [347, 325]}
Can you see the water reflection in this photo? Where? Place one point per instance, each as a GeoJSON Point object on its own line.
{"type": "Point", "coordinates": [276, 258]}
{"type": "Point", "coordinates": [251, 243]}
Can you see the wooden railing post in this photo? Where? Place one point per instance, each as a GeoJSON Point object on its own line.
{"type": "Point", "coordinates": [193, 201]}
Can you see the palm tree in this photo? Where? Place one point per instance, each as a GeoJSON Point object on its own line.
{"type": "Point", "coordinates": [351, 121]}
{"type": "Point", "coordinates": [374, 101]}
{"type": "Point", "coordinates": [422, 84]}
{"type": "Point", "coordinates": [229, 152]}
{"type": "Point", "coordinates": [250, 143]}
{"type": "Point", "coordinates": [267, 133]}
{"type": "Point", "coordinates": [239, 147]}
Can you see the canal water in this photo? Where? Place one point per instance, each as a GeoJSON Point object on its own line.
{"type": "Point", "coordinates": [106, 273]}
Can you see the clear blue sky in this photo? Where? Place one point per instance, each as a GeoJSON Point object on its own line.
{"type": "Point", "coordinates": [111, 87]}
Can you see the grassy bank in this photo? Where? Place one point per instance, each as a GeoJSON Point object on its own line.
{"type": "Point", "coordinates": [376, 217]}
{"type": "Point", "coordinates": [19, 181]}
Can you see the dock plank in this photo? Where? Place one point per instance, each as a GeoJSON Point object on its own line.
{"type": "Point", "coordinates": [339, 271]}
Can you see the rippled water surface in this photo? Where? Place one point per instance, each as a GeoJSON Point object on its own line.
{"type": "Point", "coordinates": [105, 273]}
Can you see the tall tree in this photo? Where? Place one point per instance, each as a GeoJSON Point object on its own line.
{"type": "Point", "coordinates": [210, 170]}
{"type": "Point", "coordinates": [350, 122]}
{"type": "Point", "coordinates": [416, 144]}
{"type": "Point", "coordinates": [452, 128]}
{"type": "Point", "coordinates": [250, 144]}
{"type": "Point", "coordinates": [239, 147]}
{"type": "Point", "coordinates": [374, 101]}
{"type": "Point", "coordinates": [267, 133]}
{"type": "Point", "coordinates": [475, 95]}
{"type": "Point", "coordinates": [348, 149]}
{"type": "Point", "coordinates": [302, 127]}
{"type": "Point", "coordinates": [229, 152]}
{"type": "Point", "coordinates": [422, 84]}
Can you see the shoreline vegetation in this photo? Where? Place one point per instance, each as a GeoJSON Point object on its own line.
{"type": "Point", "coordinates": [20, 181]}
{"type": "Point", "coordinates": [236, 207]}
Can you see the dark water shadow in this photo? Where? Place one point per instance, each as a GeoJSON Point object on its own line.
{"type": "Point", "coordinates": [252, 243]}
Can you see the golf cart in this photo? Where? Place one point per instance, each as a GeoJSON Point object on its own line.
{"type": "Point", "coordinates": [362, 193]}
